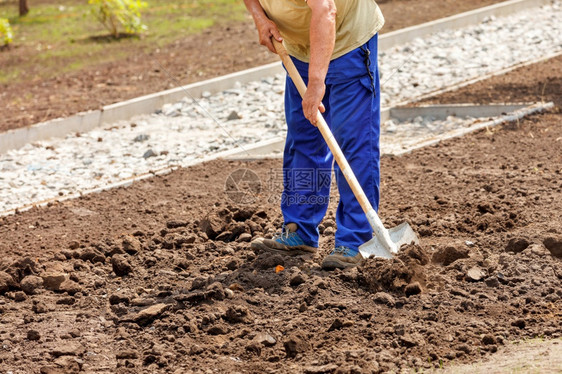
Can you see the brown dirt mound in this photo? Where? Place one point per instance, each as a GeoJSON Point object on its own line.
{"type": "Point", "coordinates": [400, 275]}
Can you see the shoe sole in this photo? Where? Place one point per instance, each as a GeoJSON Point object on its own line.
{"type": "Point", "coordinates": [331, 264]}
{"type": "Point", "coordinates": [293, 251]}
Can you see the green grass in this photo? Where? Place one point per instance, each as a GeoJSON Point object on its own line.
{"type": "Point", "coordinates": [61, 35]}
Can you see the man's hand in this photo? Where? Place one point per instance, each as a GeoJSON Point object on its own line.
{"type": "Point", "coordinates": [267, 30]}
{"type": "Point", "coordinates": [312, 101]}
{"type": "Point", "coordinates": [266, 27]}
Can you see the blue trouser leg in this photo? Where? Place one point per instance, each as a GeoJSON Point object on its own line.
{"type": "Point", "coordinates": [307, 165]}
{"type": "Point", "coordinates": [352, 101]}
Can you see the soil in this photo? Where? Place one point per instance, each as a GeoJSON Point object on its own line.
{"type": "Point", "coordinates": [160, 277]}
{"type": "Point", "coordinates": [515, 87]}
{"type": "Point", "coordinates": [234, 48]}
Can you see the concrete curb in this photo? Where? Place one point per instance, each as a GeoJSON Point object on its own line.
{"type": "Point", "coordinates": [535, 108]}
{"type": "Point", "coordinates": [274, 148]}
{"type": "Point", "coordinates": [81, 122]}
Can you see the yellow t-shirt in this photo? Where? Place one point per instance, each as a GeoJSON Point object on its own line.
{"type": "Point", "coordinates": [357, 21]}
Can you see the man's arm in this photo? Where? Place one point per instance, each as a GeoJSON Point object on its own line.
{"type": "Point", "coordinates": [322, 39]}
{"type": "Point", "coordinates": [266, 28]}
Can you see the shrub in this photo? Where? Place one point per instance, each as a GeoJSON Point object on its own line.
{"type": "Point", "coordinates": [112, 13]}
{"type": "Point", "coordinates": [6, 33]}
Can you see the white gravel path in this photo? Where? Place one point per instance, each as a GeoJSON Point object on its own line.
{"type": "Point", "coordinates": [183, 132]}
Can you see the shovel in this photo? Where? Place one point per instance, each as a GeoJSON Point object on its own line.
{"type": "Point", "coordinates": [385, 243]}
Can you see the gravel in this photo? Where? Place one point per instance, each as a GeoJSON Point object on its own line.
{"type": "Point", "coordinates": [183, 132]}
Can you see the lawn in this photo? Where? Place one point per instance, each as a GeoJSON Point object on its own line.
{"type": "Point", "coordinates": [62, 36]}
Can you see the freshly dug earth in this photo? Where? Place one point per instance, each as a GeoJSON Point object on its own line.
{"type": "Point", "coordinates": [234, 48]}
{"type": "Point", "coordinates": [539, 82]}
{"type": "Point", "coordinates": [160, 277]}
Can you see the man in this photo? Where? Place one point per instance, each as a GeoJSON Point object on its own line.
{"type": "Point", "coordinates": [333, 44]}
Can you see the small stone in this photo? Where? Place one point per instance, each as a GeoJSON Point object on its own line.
{"type": "Point", "coordinates": [6, 282]}
{"type": "Point", "coordinates": [238, 313]}
{"type": "Point", "coordinates": [384, 298]}
{"type": "Point", "coordinates": [30, 284]}
{"type": "Point", "coordinates": [294, 345]}
{"type": "Point", "coordinates": [297, 279]}
{"type": "Point", "coordinates": [554, 245]}
{"type": "Point", "coordinates": [233, 116]}
{"type": "Point", "coordinates": [68, 349]}
{"type": "Point", "coordinates": [20, 296]}
{"type": "Point", "coordinates": [149, 153]}
{"type": "Point", "coordinates": [519, 323]}
{"type": "Point", "coordinates": [224, 236]}
{"type": "Point", "coordinates": [70, 287]}
{"type": "Point", "coordinates": [411, 340]}
{"type": "Point", "coordinates": [413, 288]}
{"type": "Point", "coordinates": [126, 355]}
{"type": "Point", "coordinates": [141, 138]}
{"type": "Point", "coordinates": [488, 340]}
{"type": "Point", "coordinates": [119, 298]}
{"type": "Point", "coordinates": [131, 245]}
{"type": "Point", "coordinates": [228, 293]}
{"type": "Point", "coordinates": [244, 237]}
{"type": "Point", "coordinates": [146, 316]}
{"type": "Point", "coordinates": [120, 265]}
{"type": "Point", "coordinates": [492, 282]}
{"type": "Point", "coordinates": [338, 324]}
{"type": "Point", "coordinates": [53, 280]}
{"type": "Point", "coordinates": [517, 245]}
{"type": "Point", "coordinates": [265, 339]}
{"type": "Point", "coordinates": [33, 335]}
{"type": "Point", "coordinates": [475, 274]}
{"type": "Point", "coordinates": [174, 224]}
{"type": "Point", "coordinates": [92, 255]}
{"type": "Point", "coordinates": [39, 307]}
{"type": "Point", "coordinates": [74, 244]}
{"type": "Point", "coordinates": [217, 330]}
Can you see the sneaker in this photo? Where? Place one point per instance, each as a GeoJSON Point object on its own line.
{"type": "Point", "coordinates": [287, 242]}
{"type": "Point", "coordinates": [342, 257]}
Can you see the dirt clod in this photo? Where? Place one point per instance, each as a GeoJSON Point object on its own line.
{"type": "Point", "coordinates": [517, 245]}
{"type": "Point", "coordinates": [295, 344]}
{"type": "Point", "coordinates": [6, 282]}
{"type": "Point", "coordinates": [413, 289]}
{"type": "Point", "coordinates": [121, 266]}
{"type": "Point", "coordinates": [449, 254]}
{"type": "Point", "coordinates": [31, 284]}
{"type": "Point", "coordinates": [554, 245]}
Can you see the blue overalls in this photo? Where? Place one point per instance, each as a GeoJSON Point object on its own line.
{"type": "Point", "coordinates": [352, 102]}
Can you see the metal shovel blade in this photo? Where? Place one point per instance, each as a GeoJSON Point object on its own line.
{"type": "Point", "coordinates": [401, 234]}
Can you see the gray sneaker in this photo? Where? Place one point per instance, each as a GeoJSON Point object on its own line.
{"type": "Point", "coordinates": [288, 242]}
{"type": "Point", "coordinates": [342, 257]}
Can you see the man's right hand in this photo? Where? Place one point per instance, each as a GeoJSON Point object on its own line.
{"type": "Point", "coordinates": [267, 29]}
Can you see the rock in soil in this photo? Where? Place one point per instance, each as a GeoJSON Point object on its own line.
{"type": "Point", "coordinates": [295, 344]}
{"type": "Point", "coordinates": [146, 316]}
{"type": "Point", "coordinates": [121, 265]}
{"type": "Point", "coordinates": [6, 282]}
{"type": "Point", "coordinates": [53, 280]}
{"type": "Point", "coordinates": [31, 284]}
